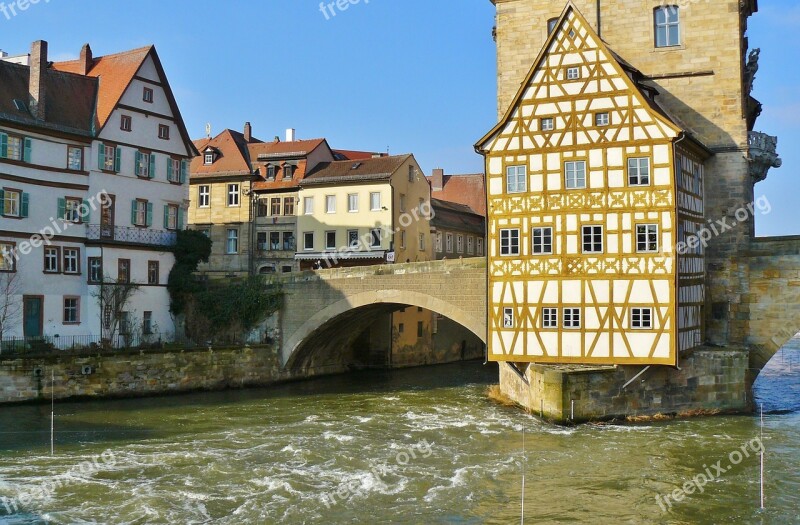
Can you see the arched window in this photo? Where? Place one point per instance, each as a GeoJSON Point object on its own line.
{"type": "Point", "coordinates": [667, 26]}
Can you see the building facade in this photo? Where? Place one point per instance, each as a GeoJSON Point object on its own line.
{"type": "Point", "coordinates": [94, 162]}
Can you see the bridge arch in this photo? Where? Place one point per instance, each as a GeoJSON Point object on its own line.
{"type": "Point", "coordinates": [356, 312]}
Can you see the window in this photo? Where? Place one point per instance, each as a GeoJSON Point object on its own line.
{"type": "Point", "coordinates": [147, 323]}
{"type": "Point", "coordinates": [470, 245]}
{"type": "Point", "coordinates": [516, 179]}
{"type": "Point", "coordinates": [125, 123]}
{"type": "Point", "coordinates": [375, 201]}
{"type": "Point", "coordinates": [352, 239]}
{"type": "Point", "coordinates": [261, 241]}
{"type": "Point", "coordinates": [330, 203]}
{"type": "Point", "coordinates": [573, 73]}
{"type": "Point", "coordinates": [274, 241]}
{"type": "Point", "coordinates": [13, 147]}
{"type": "Point", "coordinates": [646, 238]}
{"type": "Point", "coordinates": [449, 241]}
{"type": "Point", "coordinates": [480, 246]}
{"type": "Point", "coordinates": [172, 217]}
{"type": "Point", "coordinates": [308, 241]}
{"type": "Point", "coordinates": [420, 328]}
{"type": "Point", "coordinates": [542, 241]}
{"type": "Point", "coordinates": [147, 95]}
{"type": "Point", "coordinates": [72, 310]}
{"type": "Point", "coordinates": [639, 171]}
{"type": "Point", "coordinates": [575, 172]}
{"type": "Point", "coordinates": [592, 239]}
{"type": "Point", "coordinates": [175, 171]}
{"type": "Point", "coordinates": [275, 206]}
{"type": "Point", "coordinates": [7, 257]}
{"type": "Point", "coordinates": [109, 158]}
{"type": "Point", "coordinates": [288, 170]}
{"type": "Point", "coordinates": [438, 242]}
{"type": "Point", "coordinates": [509, 241]}
{"type": "Point", "coordinates": [548, 124]}
{"type": "Point", "coordinates": [52, 258]}
{"type": "Point", "coordinates": [95, 270]}
{"type": "Point", "coordinates": [144, 165]}
{"type": "Point", "coordinates": [572, 317]}
{"type": "Point", "coordinates": [412, 174]}
{"type": "Point", "coordinates": [288, 241]}
{"type": "Point", "coordinates": [601, 119]}
{"type": "Point", "coordinates": [551, 25]}
{"type": "Point", "coordinates": [208, 159]}
{"type": "Point", "coordinates": [74, 158]}
{"type": "Point", "coordinates": [330, 240]}
{"type": "Point", "coordinates": [352, 202]}
{"type": "Point", "coordinates": [286, 269]}
{"type": "Point", "coordinates": [668, 27]}
{"type": "Point", "coordinates": [72, 258]}
{"type": "Point", "coordinates": [233, 195]}
{"type": "Point", "coordinates": [125, 323]}
{"type": "Point", "coordinates": [508, 318]}
{"type": "Point", "coordinates": [402, 239]}
{"type": "Point", "coordinates": [163, 132]}
{"type": "Point", "coordinates": [308, 205]}
{"type": "Point", "coordinates": [153, 272]}
{"type": "Point", "coordinates": [141, 213]}
{"type": "Point", "coordinates": [11, 205]}
{"type": "Point", "coordinates": [288, 206]}
{"type": "Point", "coordinates": [204, 196]}
{"type": "Point", "coordinates": [421, 241]}
{"type": "Point", "coordinates": [232, 238]}
{"type": "Point", "coordinates": [123, 270]}
{"type": "Point", "coordinates": [459, 244]}
{"type": "Point", "coordinates": [71, 210]}
{"type": "Point", "coordinates": [375, 235]}
{"type": "Point", "coordinates": [549, 317]}
{"type": "Point", "coordinates": [270, 172]}
{"type": "Point", "coordinates": [402, 202]}
{"type": "Point", "coordinates": [401, 328]}
{"type": "Point", "coordinates": [641, 318]}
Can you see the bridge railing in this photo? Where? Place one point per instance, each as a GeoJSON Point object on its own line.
{"type": "Point", "coordinates": [440, 266]}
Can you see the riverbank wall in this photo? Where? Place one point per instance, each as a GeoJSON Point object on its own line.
{"type": "Point", "coordinates": [709, 380]}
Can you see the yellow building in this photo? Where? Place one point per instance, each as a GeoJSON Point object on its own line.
{"type": "Point", "coordinates": [590, 186]}
{"type": "Point", "coordinates": [362, 212]}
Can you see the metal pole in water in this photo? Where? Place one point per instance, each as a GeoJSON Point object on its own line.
{"type": "Point", "coordinates": [762, 456]}
{"type": "Point", "coordinates": [524, 460]}
{"type": "Point", "coordinates": [572, 410]}
{"type": "Point", "coordinates": [52, 412]}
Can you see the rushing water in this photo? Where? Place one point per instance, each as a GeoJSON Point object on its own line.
{"type": "Point", "coordinates": [419, 446]}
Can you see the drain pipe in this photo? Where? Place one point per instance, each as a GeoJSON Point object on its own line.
{"type": "Point", "coordinates": [634, 378]}
{"type": "Point", "coordinates": [599, 27]}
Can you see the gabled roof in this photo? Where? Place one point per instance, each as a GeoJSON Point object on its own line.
{"type": "Point", "coordinates": [469, 190]}
{"type": "Point", "coordinates": [377, 169]}
{"type": "Point", "coordinates": [232, 156]}
{"type": "Point", "coordinates": [266, 151]}
{"type": "Point", "coordinates": [344, 154]}
{"type": "Point", "coordinates": [69, 108]}
{"type": "Point", "coordinates": [454, 216]}
{"type": "Point", "coordinates": [622, 67]}
{"type": "Point", "coordinates": [280, 183]}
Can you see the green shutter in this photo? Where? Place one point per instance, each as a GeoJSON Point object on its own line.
{"type": "Point", "coordinates": [117, 159]}
{"type": "Point", "coordinates": [180, 218]}
{"type": "Point", "coordinates": [149, 218]}
{"type": "Point", "coordinates": [87, 212]}
{"type": "Point", "coordinates": [134, 205]}
{"type": "Point", "coordinates": [3, 145]}
{"type": "Point", "coordinates": [136, 163]}
{"type": "Point", "coordinates": [101, 156]}
{"type": "Point", "coordinates": [2, 201]}
{"type": "Point", "coordinates": [62, 208]}
{"type": "Point", "coordinates": [184, 170]}
{"type": "Point", "coordinates": [166, 216]}
{"type": "Point", "coordinates": [169, 169]}
{"type": "Point", "coordinates": [152, 170]}
{"type": "Point", "coordinates": [26, 152]}
{"type": "Point", "coordinates": [24, 206]}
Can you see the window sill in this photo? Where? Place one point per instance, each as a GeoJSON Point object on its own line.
{"type": "Point", "coordinates": [13, 217]}
{"type": "Point", "coordinates": [72, 323]}
{"type": "Point", "coordinates": [54, 272]}
{"type": "Point", "coordinates": [73, 273]}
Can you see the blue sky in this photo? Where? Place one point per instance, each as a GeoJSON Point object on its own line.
{"type": "Point", "coordinates": [411, 76]}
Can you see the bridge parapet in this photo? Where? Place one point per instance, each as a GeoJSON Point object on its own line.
{"type": "Point", "coordinates": [430, 267]}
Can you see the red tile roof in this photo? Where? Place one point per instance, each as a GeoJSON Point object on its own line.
{"type": "Point", "coordinates": [380, 168]}
{"type": "Point", "coordinates": [464, 189]}
{"type": "Point", "coordinates": [345, 154]}
{"type": "Point", "coordinates": [280, 183]}
{"type": "Point", "coordinates": [232, 156]}
{"type": "Point", "coordinates": [281, 150]}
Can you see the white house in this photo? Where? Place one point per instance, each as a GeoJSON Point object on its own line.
{"type": "Point", "coordinates": [93, 167]}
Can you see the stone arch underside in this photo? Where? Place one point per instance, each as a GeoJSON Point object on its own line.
{"type": "Point", "coordinates": [343, 321]}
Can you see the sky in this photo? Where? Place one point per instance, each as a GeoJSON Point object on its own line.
{"type": "Point", "coordinates": [407, 76]}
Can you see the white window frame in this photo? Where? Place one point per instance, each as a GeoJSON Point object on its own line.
{"type": "Point", "coordinates": [575, 174]}
{"type": "Point", "coordinates": [421, 241]}
{"type": "Point", "coordinates": [72, 260]}
{"type": "Point", "coordinates": [539, 240]}
{"type": "Point", "coordinates": [330, 235]}
{"type": "Point", "coordinates": [449, 242]}
{"type": "Point", "coordinates": [143, 166]}
{"type": "Point", "coordinates": [375, 201]}
{"type": "Point", "coordinates": [550, 318]}
{"type": "Point", "coordinates": [173, 210]}
{"type": "Point", "coordinates": [459, 243]}
{"type": "Point", "coordinates": [352, 202]}
{"type": "Point", "coordinates": [509, 321]}
{"type": "Point", "coordinates": [74, 160]}
{"type": "Point", "coordinates": [479, 246]}
{"type": "Point", "coordinates": [353, 241]}
{"type": "Point", "coordinates": [12, 203]}
{"type": "Point", "coordinates": [330, 204]}
{"type": "Point", "coordinates": [17, 151]}
{"type": "Point", "coordinates": [204, 196]}
{"type": "Point", "coordinates": [438, 242]}
{"type": "Point", "coordinates": [635, 167]}
{"type": "Point", "coordinates": [573, 73]}
{"type": "Point", "coordinates": [52, 259]}
{"type": "Point", "coordinates": [75, 310]}
{"type": "Point", "coordinates": [671, 19]}
{"type": "Point", "coordinates": [470, 245]}
{"type": "Point", "coordinates": [208, 159]}
{"type": "Point", "coordinates": [516, 179]}
{"type": "Point", "coordinates": [602, 119]}
{"type": "Point", "coordinates": [595, 231]}
{"type": "Point", "coordinates": [376, 238]}
{"type": "Point", "coordinates": [507, 247]}
{"type": "Point", "coordinates": [308, 205]}
{"type": "Point", "coordinates": [232, 239]}
{"type": "Point", "coordinates": [141, 212]}
{"type": "Point", "coordinates": [643, 235]}
{"type": "Point", "coordinates": [233, 200]}
{"type": "Point", "coordinates": [547, 124]}
{"type": "Point", "coordinates": [642, 318]}
{"type": "Point", "coordinates": [306, 237]}
{"type": "Point", "coordinates": [572, 318]}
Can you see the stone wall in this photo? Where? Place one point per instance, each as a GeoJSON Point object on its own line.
{"type": "Point", "coordinates": [709, 379]}
{"type": "Point", "coordinates": [133, 374]}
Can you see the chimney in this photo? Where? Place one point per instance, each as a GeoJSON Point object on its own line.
{"type": "Point", "coordinates": [86, 60]}
{"type": "Point", "coordinates": [437, 179]}
{"type": "Point", "coordinates": [290, 135]}
{"type": "Point", "coordinates": [248, 132]}
{"type": "Point", "coordinates": [36, 86]}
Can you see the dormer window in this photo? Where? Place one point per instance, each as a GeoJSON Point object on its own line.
{"type": "Point", "coordinates": [288, 170]}
{"type": "Point", "coordinates": [209, 158]}
{"type": "Point", "coordinates": [270, 172]}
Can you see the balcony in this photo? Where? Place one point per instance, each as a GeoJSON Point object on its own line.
{"type": "Point", "coordinates": [130, 235]}
{"type": "Point", "coordinates": [762, 154]}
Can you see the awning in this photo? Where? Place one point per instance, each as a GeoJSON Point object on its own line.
{"type": "Point", "coordinates": [341, 256]}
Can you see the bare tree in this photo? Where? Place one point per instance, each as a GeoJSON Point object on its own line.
{"type": "Point", "coordinates": [10, 302]}
{"type": "Point", "coordinates": [113, 297]}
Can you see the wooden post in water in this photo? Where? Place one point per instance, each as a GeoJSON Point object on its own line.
{"type": "Point", "coordinates": [52, 412]}
{"type": "Point", "coordinates": [762, 456]}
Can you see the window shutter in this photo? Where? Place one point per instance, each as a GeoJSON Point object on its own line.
{"type": "Point", "coordinates": [87, 212]}
{"type": "Point", "coordinates": [136, 163]}
{"type": "Point", "coordinates": [2, 201]}
{"type": "Point", "coordinates": [134, 206]}
{"type": "Point", "coordinates": [26, 152]}
{"type": "Point", "coordinates": [101, 156]}
{"type": "Point", "coordinates": [184, 170]}
{"type": "Point", "coordinates": [62, 208]}
{"type": "Point", "coordinates": [166, 217]}
{"type": "Point", "coordinates": [24, 205]}
{"type": "Point", "coordinates": [180, 218]}
{"type": "Point", "coordinates": [169, 169]}
{"type": "Point", "coordinates": [117, 159]}
{"type": "Point", "coordinates": [3, 145]}
{"type": "Point", "coordinates": [149, 218]}
{"type": "Point", "coordinates": [152, 170]}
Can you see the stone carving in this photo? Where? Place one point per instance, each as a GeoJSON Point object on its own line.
{"type": "Point", "coordinates": [750, 70]}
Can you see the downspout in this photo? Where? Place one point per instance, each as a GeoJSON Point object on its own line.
{"type": "Point", "coordinates": [599, 19]}
{"type": "Point", "coordinates": [675, 233]}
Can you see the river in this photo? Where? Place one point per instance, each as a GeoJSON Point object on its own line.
{"type": "Point", "coordinates": [418, 446]}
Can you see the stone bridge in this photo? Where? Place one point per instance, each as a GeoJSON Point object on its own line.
{"type": "Point", "coordinates": [326, 311]}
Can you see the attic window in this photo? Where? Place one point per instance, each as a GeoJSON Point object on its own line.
{"type": "Point", "coordinates": [288, 169]}
{"type": "Point", "coordinates": [573, 73]}
{"type": "Point", "coordinates": [356, 166]}
{"type": "Point", "coordinates": [20, 105]}
{"type": "Point", "coordinates": [209, 158]}
{"type": "Point", "coordinates": [147, 95]}
{"type": "Point", "coordinates": [270, 172]}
